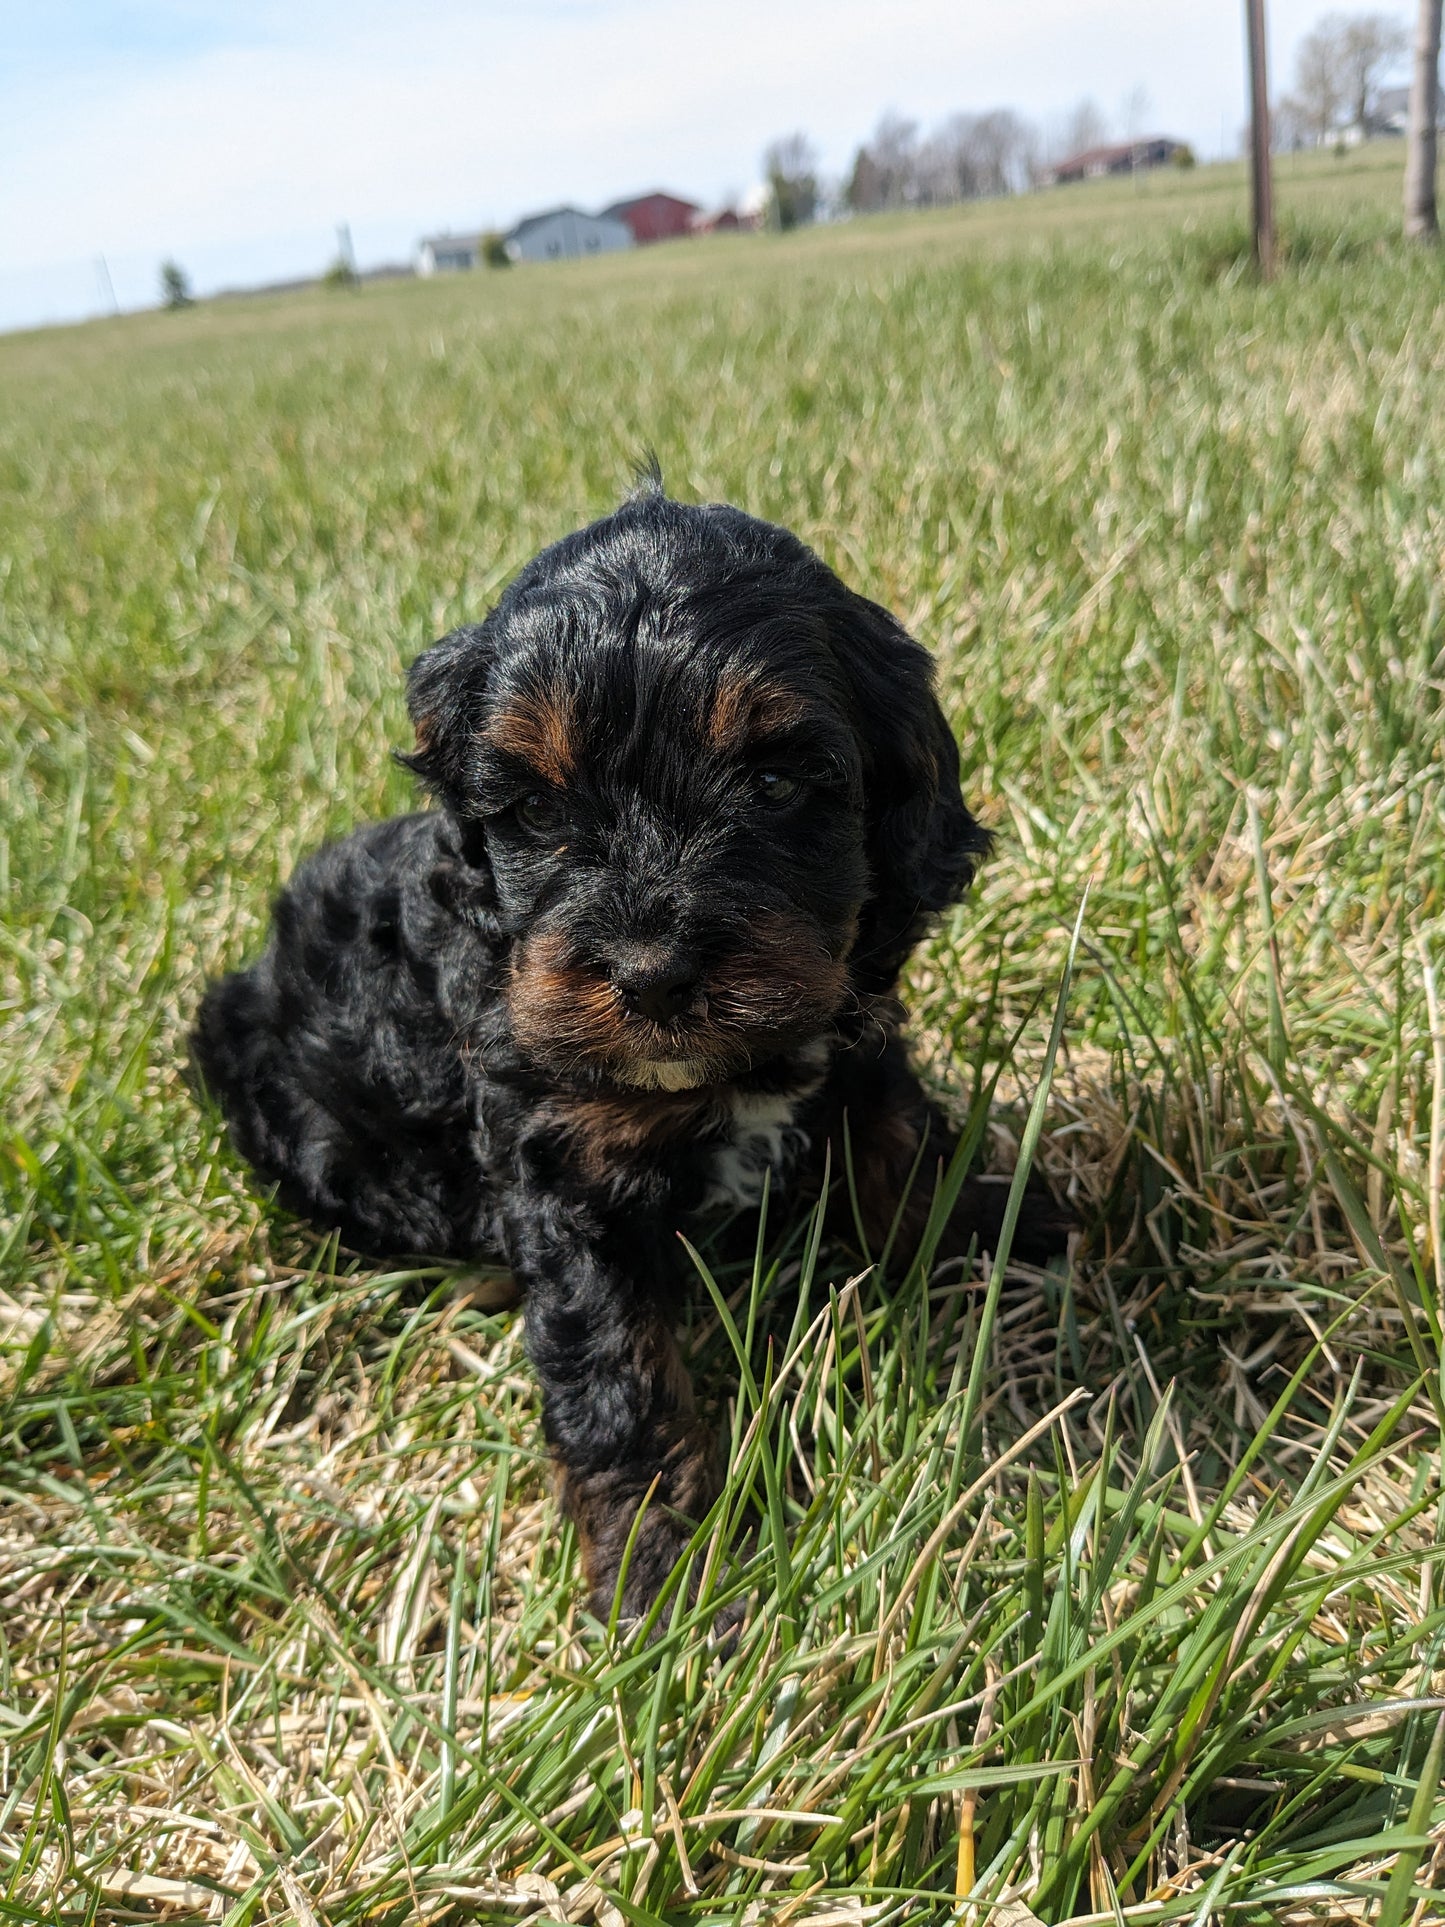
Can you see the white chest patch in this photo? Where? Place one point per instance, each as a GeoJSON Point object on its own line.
{"type": "Point", "coordinates": [764, 1138]}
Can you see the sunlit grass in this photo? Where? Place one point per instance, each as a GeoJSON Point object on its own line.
{"type": "Point", "coordinates": [1114, 1590]}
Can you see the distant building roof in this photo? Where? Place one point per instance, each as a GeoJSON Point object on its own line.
{"type": "Point", "coordinates": [531, 221]}
{"type": "Point", "coordinates": [1113, 157]}
{"type": "Point", "coordinates": [619, 210]}
{"type": "Point", "coordinates": [1106, 155]}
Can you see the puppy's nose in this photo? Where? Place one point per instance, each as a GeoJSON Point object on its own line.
{"type": "Point", "coordinates": [656, 983]}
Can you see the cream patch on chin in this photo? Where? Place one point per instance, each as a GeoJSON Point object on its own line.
{"type": "Point", "coordinates": [662, 1074]}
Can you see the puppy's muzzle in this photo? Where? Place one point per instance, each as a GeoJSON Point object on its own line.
{"type": "Point", "coordinates": [664, 1015]}
{"type": "Point", "coordinates": [657, 983]}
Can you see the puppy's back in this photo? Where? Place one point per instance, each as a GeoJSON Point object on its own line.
{"type": "Point", "coordinates": [336, 1058]}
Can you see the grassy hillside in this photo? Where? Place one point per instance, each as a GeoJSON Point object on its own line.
{"type": "Point", "coordinates": [1114, 1591]}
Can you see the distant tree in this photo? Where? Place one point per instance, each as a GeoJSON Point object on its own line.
{"type": "Point", "coordinates": [1421, 219]}
{"type": "Point", "coordinates": [1370, 45]}
{"type": "Point", "coordinates": [1319, 94]}
{"type": "Point", "coordinates": [1135, 110]}
{"type": "Point", "coordinates": [1003, 149]}
{"type": "Point", "coordinates": [984, 154]}
{"type": "Point", "coordinates": [341, 274]}
{"type": "Point", "coordinates": [1084, 128]}
{"type": "Point", "coordinates": [894, 148]}
{"type": "Point", "coordinates": [946, 167]}
{"type": "Point", "coordinates": [864, 190]}
{"type": "Point", "coordinates": [791, 169]}
{"type": "Point", "coordinates": [1338, 70]}
{"type": "Point", "coordinates": [175, 287]}
{"type": "Point", "coordinates": [1289, 125]}
{"type": "Point", "coordinates": [494, 249]}
{"type": "Point", "coordinates": [966, 156]}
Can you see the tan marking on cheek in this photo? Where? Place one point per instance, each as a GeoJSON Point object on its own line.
{"type": "Point", "coordinates": [746, 708]}
{"type": "Point", "coordinates": [540, 730]}
{"type": "Point", "coordinates": [783, 973]}
{"type": "Point", "coordinates": [556, 1005]}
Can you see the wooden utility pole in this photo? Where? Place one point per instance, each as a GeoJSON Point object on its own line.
{"type": "Point", "coordinates": [1421, 220]}
{"type": "Point", "coordinates": [1259, 141]}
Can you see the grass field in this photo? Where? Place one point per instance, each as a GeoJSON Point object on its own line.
{"type": "Point", "coordinates": [1114, 1593]}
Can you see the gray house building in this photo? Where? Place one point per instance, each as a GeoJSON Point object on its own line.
{"type": "Point", "coordinates": [565, 233]}
{"type": "Point", "coordinates": [448, 253]}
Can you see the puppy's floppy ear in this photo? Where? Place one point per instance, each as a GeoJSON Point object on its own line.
{"type": "Point", "coordinates": [923, 845]}
{"type": "Point", "coordinates": [445, 691]}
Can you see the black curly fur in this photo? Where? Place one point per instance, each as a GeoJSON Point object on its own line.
{"type": "Point", "coordinates": [698, 802]}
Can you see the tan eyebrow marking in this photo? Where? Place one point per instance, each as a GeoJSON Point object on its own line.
{"type": "Point", "coordinates": [540, 730]}
{"type": "Point", "coordinates": [745, 706]}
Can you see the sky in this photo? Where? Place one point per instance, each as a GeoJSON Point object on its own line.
{"type": "Point", "coordinates": [234, 136]}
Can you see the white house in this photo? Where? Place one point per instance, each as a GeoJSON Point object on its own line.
{"type": "Point", "coordinates": [565, 233]}
{"type": "Point", "coordinates": [1391, 115]}
{"type": "Point", "coordinates": [448, 253]}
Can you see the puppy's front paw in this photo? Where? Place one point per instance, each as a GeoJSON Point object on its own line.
{"type": "Point", "coordinates": [655, 1554]}
{"type": "Point", "coordinates": [636, 1520]}
{"type": "Point", "coordinates": [662, 1538]}
{"type": "Point", "coordinates": [1043, 1227]}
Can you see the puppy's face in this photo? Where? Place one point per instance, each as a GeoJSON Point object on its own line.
{"type": "Point", "coordinates": [676, 832]}
{"type": "Point", "coordinates": [661, 739]}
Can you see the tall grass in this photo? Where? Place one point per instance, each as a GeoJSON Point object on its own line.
{"type": "Point", "coordinates": [1107, 1593]}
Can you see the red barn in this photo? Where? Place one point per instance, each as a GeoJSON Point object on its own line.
{"type": "Point", "coordinates": [655, 217]}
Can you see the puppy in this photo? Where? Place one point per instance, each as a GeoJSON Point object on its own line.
{"type": "Point", "coordinates": [697, 803]}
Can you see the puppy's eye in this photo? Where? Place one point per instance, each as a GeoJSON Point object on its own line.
{"type": "Point", "coordinates": [775, 789]}
{"type": "Point", "coordinates": [537, 811]}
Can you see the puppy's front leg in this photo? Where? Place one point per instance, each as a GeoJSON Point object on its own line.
{"type": "Point", "coordinates": [617, 1401]}
{"type": "Point", "coordinates": [895, 1133]}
